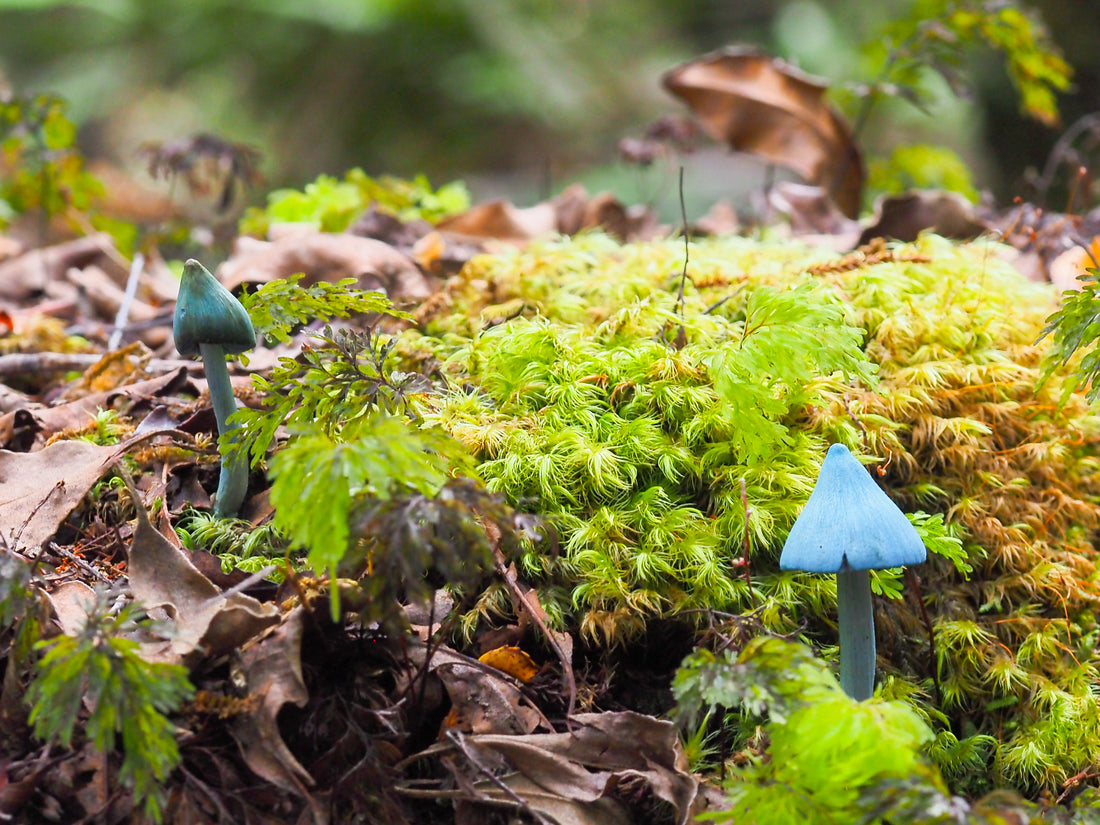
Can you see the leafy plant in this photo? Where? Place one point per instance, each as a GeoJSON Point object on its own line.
{"type": "Point", "coordinates": [337, 380]}
{"type": "Point", "coordinates": [1074, 327]}
{"type": "Point", "coordinates": [828, 758]}
{"type": "Point", "coordinates": [101, 669]}
{"type": "Point", "coordinates": [936, 35]}
{"type": "Point", "coordinates": [41, 169]}
{"type": "Point", "coordinates": [318, 477]}
{"type": "Point", "coordinates": [333, 205]}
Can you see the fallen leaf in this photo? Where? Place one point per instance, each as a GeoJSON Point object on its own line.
{"type": "Point", "coordinates": [206, 622]}
{"type": "Point", "coordinates": [903, 217]}
{"type": "Point", "coordinates": [324, 256]}
{"type": "Point", "coordinates": [811, 211]}
{"type": "Point", "coordinates": [48, 421]}
{"type": "Point", "coordinates": [511, 660]}
{"type": "Point", "coordinates": [763, 106]}
{"type": "Point", "coordinates": [579, 777]}
{"type": "Point", "coordinates": [271, 669]}
{"type": "Point", "coordinates": [502, 220]}
{"type": "Point", "coordinates": [40, 489]}
{"type": "Point", "coordinates": [1067, 268]}
{"type": "Point", "coordinates": [71, 601]}
{"type": "Point", "coordinates": [27, 276]}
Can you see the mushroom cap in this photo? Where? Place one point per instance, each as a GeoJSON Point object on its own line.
{"type": "Point", "coordinates": [207, 313]}
{"type": "Point", "coordinates": [849, 523]}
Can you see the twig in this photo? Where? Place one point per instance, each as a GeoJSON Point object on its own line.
{"type": "Point", "coordinates": [79, 562]}
{"type": "Point", "coordinates": [30, 363]}
{"type": "Point", "coordinates": [745, 543]}
{"type": "Point", "coordinates": [459, 741]}
{"type": "Point", "coordinates": [569, 681]}
{"type": "Point", "coordinates": [681, 335]}
{"type": "Point", "coordinates": [127, 300]}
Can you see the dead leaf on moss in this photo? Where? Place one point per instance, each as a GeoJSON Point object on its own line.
{"type": "Point", "coordinates": [324, 256]}
{"type": "Point", "coordinates": [759, 104]}
{"type": "Point", "coordinates": [502, 220]}
{"type": "Point", "coordinates": [903, 217]}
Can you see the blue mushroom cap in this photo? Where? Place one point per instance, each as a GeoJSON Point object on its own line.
{"type": "Point", "coordinates": [849, 523]}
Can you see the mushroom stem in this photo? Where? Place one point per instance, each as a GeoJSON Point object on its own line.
{"type": "Point", "coordinates": [857, 633]}
{"type": "Point", "coordinates": [233, 480]}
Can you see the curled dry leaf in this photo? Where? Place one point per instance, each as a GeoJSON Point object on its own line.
{"type": "Point", "coordinates": [482, 700]}
{"type": "Point", "coordinates": [206, 621]}
{"type": "Point", "coordinates": [271, 669]}
{"type": "Point", "coordinates": [759, 104]}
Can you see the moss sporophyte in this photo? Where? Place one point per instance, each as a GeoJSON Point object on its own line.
{"type": "Point", "coordinates": [210, 321]}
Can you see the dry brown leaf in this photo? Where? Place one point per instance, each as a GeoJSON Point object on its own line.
{"type": "Point", "coordinates": [71, 601]}
{"type": "Point", "coordinates": [324, 256]}
{"type": "Point", "coordinates": [47, 421]}
{"type": "Point", "coordinates": [758, 104]}
{"type": "Point", "coordinates": [903, 217]}
{"type": "Point", "coordinates": [502, 220]}
{"type": "Point", "coordinates": [40, 489]}
{"type": "Point", "coordinates": [1074, 263]}
{"type": "Point", "coordinates": [206, 622]}
{"type": "Point", "coordinates": [575, 778]}
{"type": "Point", "coordinates": [271, 669]}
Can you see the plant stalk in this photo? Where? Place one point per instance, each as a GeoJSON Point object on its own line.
{"type": "Point", "coordinates": [857, 633]}
{"type": "Point", "coordinates": [233, 481]}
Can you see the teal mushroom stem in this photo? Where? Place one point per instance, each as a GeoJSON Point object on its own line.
{"type": "Point", "coordinates": [856, 626]}
{"type": "Point", "coordinates": [211, 322]}
{"type": "Point", "coordinates": [233, 480]}
{"type": "Point", "coordinates": [849, 527]}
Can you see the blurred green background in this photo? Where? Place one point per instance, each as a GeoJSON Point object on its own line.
{"type": "Point", "coordinates": [517, 97]}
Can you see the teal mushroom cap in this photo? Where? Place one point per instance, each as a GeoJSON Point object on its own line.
{"type": "Point", "coordinates": [849, 523]}
{"type": "Point", "coordinates": [207, 313]}
{"type": "Point", "coordinates": [848, 527]}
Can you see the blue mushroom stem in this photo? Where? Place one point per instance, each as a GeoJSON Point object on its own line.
{"type": "Point", "coordinates": [233, 481]}
{"type": "Point", "coordinates": [857, 633]}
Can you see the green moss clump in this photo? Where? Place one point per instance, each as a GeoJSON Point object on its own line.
{"type": "Point", "coordinates": [588, 395]}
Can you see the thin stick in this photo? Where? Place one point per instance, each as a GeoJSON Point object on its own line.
{"type": "Point", "coordinates": [37, 362]}
{"type": "Point", "coordinates": [123, 314]}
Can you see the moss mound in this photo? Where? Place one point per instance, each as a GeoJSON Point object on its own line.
{"type": "Point", "coordinates": [672, 441]}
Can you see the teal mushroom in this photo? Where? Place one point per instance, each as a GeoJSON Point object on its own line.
{"type": "Point", "coordinates": [849, 527]}
{"type": "Point", "coordinates": [210, 321]}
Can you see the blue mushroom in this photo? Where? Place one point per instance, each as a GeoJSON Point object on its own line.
{"type": "Point", "coordinates": [211, 322]}
{"type": "Point", "coordinates": [848, 527]}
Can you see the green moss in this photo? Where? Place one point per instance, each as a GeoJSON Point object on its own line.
{"type": "Point", "coordinates": [632, 427]}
